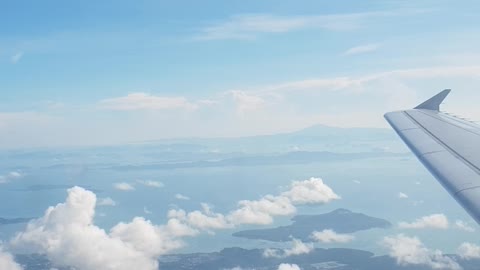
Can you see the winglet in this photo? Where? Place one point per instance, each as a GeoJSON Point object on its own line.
{"type": "Point", "coordinates": [434, 102]}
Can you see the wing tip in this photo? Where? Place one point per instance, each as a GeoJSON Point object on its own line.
{"type": "Point", "coordinates": [434, 102]}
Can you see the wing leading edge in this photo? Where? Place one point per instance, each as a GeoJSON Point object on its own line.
{"type": "Point", "coordinates": [447, 146]}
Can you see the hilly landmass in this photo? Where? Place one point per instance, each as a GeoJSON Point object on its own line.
{"type": "Point", "coordinates": [340, 220]}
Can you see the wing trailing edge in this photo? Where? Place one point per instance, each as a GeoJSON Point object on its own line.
{"type": "Point", "coordinates": [447, 146]}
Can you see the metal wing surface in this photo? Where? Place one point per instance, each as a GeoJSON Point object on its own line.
{"type": "Point", "coordinates": [449, 147]}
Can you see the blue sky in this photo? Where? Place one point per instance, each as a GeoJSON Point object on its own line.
{"type": "Point", "coordinates": [114, 72]}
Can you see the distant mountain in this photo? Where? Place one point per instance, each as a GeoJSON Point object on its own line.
{"type": "Point", "coordinates": [296, 157]}
{"type": "Point", "coordinates": [340, 220]}
{"type": "Point", "coordinates": [317, 137]}
{"type": "Point", "coordinates": [5, 221]}
{"type": "Point", "coordinates": [323, 130]}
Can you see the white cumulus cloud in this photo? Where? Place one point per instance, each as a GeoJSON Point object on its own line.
{"type": "Point", "coordinates": [411, 251]}
{"type": "Point", "coordinates": [123, 186]}
{"type": "Point", "coordinates": [286, 266]}
{"type": "Point", "coordinates": [330, 236]}
{"type": "Point", "coordinates": [298, 248]}
{"type": "Point", "coordinates": [469, 251]}
{"type": "Point", "coordinates": [309, 191]}
{"type": "Point", "coordinates": [263, 210]}
{"type": "Point", "coordinates": [67, 235]}
{"type": "Point", "coordinates": [203, 220]}
{"type": "Point", "coordinates": [402, 195]}
{"type": "Point", "coordinates": [435, 221]}
{"type": "Point", "coordinates": [461, 225]}
{"type": "Point", "coordinates": [7, 262]}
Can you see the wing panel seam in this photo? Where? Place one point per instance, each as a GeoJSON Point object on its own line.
{"type": "Point", "coordinates": [452, 151]}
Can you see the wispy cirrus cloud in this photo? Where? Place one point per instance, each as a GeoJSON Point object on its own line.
{"type": "Point", "coordinates": [143, 101]}
{"type": "Point", "coordinates": [367, 48]}
{"type": "Point", "coordinates": [16, 57]}
{"type": "Point", "coordinates": [249, 26]}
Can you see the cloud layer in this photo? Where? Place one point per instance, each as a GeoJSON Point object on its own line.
{"type": "Point", "coordinates": [67, 235]}
{"type": "Point", "coordinates": [263, 210]}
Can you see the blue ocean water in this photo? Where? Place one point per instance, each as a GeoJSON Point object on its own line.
{"type": "Point", "coordinates": [369, 186]}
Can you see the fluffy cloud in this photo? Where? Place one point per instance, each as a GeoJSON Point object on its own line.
{"type": "Point", "coordinates": [106, 202]}
{"type": "Point", "coordinates": [7, 261]}
{"type": "Point", "coordinates": [286, 266]}
{"type": "Point", "coordinates": [435, 221]}
{"type": "Point", "coordinates": [461, 225]}
{"type": "Point", "coordinates": [149, 239]}
{"type": "Point", "coordinates": [298, 248]}
{"type": "Point", "coordinates": [181, 197]}
{"type": "Point", "coordinates": [123, 186]}
{"type": "Point", "coordinates": [150, 183]}
{"type": "Point", "coordinates": [67, 235]}
{"type": "Point", "coordinates": [143, 101]}
{"type": "Point", "coordinates": [402, 195]}
{"type": "Point", "coordinates": [261, 211]}
{"type": "Point", "coordinates": [411, 251]}
{"type": "Point", "coordinates": [330, 236]}
{"type": "Point", "coordinates": [311, 191]}
{"type": "Point", "coordinates": [469, 251]}
{"type": "Point", "coordinates": [203, 220]}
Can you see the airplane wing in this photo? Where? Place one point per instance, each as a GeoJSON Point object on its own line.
{"type": "Point", "coordinates": [449, 147]}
